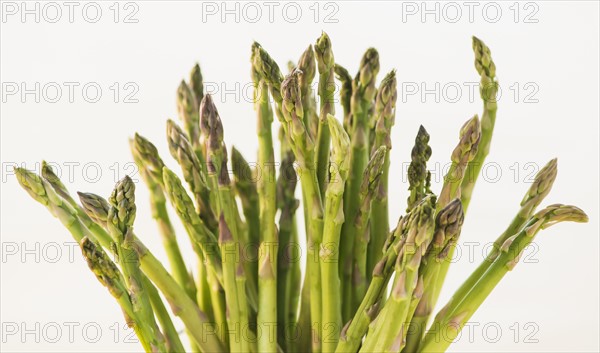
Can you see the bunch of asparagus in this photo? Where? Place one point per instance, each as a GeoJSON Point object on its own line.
{"type": "Point", "coordinates": [244, 292]}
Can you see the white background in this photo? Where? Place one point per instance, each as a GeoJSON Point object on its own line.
{"type": "Point", "coordinates": [551, 301]}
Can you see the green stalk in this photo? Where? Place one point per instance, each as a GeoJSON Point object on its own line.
{"type": "Point", "coordinates": [352, 334]}
{"type": "Point", "coordinates": [458, 311]}
{"type": "Point", "coordinates": [110, 277]}
{"type": "Point", "coordinates": [172, 342]}
{"type": "Point", "coordinates": [80, 222]}
{"type": "Point", "coordinates": [534, 196]}
{"type": "Point", "coordinates": [389, 335]}
{"type": "Point", "coordinates": [369, 186]}
{"type": "Point", "coordinates": [100, 208]}
{"type": "Point", "coordinates": [267, 194]}
{"type": "Point", "coordinates": [345, 95]}
{"type": "Point", "coordinates": [182, 151]}
{"type": "Point", "coordinates": [307, 65]}
{"type": "Point", "coordinates": [488, 89]}
{"type": "Point", "coordinates": [233, 271]}
{"type": "Point", "coordinates": [325, 66]}
{"type": "Point", "coordinates": [303, 147]}
{"type": "Point", "coordinates": [245, 185]}
{"type": "Point", "coordinates": [448, 225]}
{"type": "Point", "coordinates": [385, 114]}
{"type": "Point", "coordinates": [237, 297]}
{"type": "Point", "coordinates": [288, 272]}
{"type": "Point", "coordinates": [121, 216]}
{"type": "Point", "coordinates": [150, 165]}
{"type": "Point", "coordinates": [329, 252]}
{"type": "Point", "coordinates": [438, 261]}
{"type": "Point", "coordinates": [204, 242]}
{"type": "Point", "coordinates": [363, 93]}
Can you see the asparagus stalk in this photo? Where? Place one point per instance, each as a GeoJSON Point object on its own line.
{"type": "Point", "coordinates": [389, 337]}
{"type": "Point", "coordinates": [172, 342]}
{"type": "Point", "coordinates": [354, 330]}
{"type": "Point", "coordinates": [370, 184]}
{"type": "Point", "coordinates": [99, 208]}
{"type": "Point", "coordinates": [267, 194]}
{"type": "Point", "coordinates": [458, 311]}
{"type": "Point", "coordinates": [385, 114]}
{"type": "Point", "coordinates": [417, 170]}
{"type": "Point", "coordinates": [303, 147]}
{"type": "Point", "coordinates": [246, 189]}
{"type": "Point", "coordinates": [534, 196]}
{"type": "Point", "coordinates": [326, 65]}
{"type": "Point", "coordinates": [448, 225]}
{"type": "Point", "coordinates": [288, 272]}
{"type": "Point", "coordinates": [182, 151]}
{"type": "Point", "coordinates": [329, 252]}
{"type": "Point", "coordinates": [150, 165]}
{"type": "Point", "coordinates": [203, 240]}
{"type": "Point", "coordinates": [345, 95]}
{"type": "Point", "coordinates": [488, 89]}
{"type": "Point", "coordinates": [110, 277]}
{"type": "Point", "coordinates": [307, 66]}
{"type": "Point", "coordinates": [437, 261]}
{"type": "Point", "coordinates": [42, 191]}
{"type": "Point", "coordinates": [217, 167]}
{"type": "Point", "coordinates": [236, 302]}
{"type": "Point", "coordinates": [363, 93]}
{"type": "Point", "coordinates": [121, 216]}
{"type": "Point", "coordinates": [80, 224]}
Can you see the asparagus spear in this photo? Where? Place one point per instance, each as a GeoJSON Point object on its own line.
{"type": "Point", "coordinates": [121, 215]}
{"type": "Point", "coordinates": [80, 224]}
{"type": "Point", "coordinates": [326, 64]}
{"type": "Point", "coordinates": [303, 147]}
{"type": "Point", "coordinates": [329, 252]}
{"type": "Point", "coordinates": [99, 214]}
{"type": "Point", "coordinates": [41, 191]}
{"type": "Point", "coordinates": [534, 196]}
{"type": "Point", "coordinates": [459, 310]}
{"type": "Point", "coordinates": [354, 330]}
{"type": "Point", "coordinates": [345, 95]}
{"type": "Point", "coordinates": [150, 165]}
{"type": "Point", "coordinates": [370, 184]}
{"type": "Point", "coordinates": [267, 195]}
{"type": "Point", "coordinates": [99, 208]}
{"type": "Point", "coordinates": [385, 114]}
{"type": "Point", "coordinates": [363, 93]}
{"type": "Point", "coordinates": [245, 187]}
{"type": "Point", "coordinates": [182, 151]}
{"type": "Point", "coordinates": [307, 66]}
{"type": "Point", "coordinates": [438, 260]}
{"type": "Point", "coordinates": [488, 89]}
{"type": "Point", "coordinates": [236, 304]}
{"type": "Point", "coordinates": [448, 225]}
{"type": "Point", "coordinates": [110, 277]}
{"type": "Point", "coordinates": [288, 272]}
{"type": "Point", "coordinates": [417, 170]}
{"type": "Point", "coordinates": [389, 337]}
{"type": "Point", "coordinates": [216, 153]}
